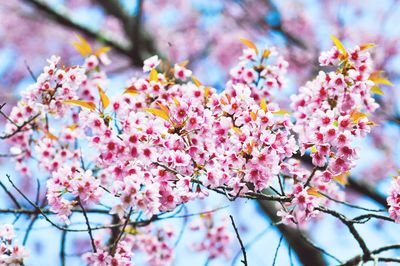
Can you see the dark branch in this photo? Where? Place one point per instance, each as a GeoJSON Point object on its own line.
{"type": "Point", "coordinates": [244, 261]}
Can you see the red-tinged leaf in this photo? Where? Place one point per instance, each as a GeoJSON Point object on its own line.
{"type": "Point", "coordinates": [366, 46]}
{"type": "Point", "coordinates": [206, 92]}
{"type": "Point", "coordinates": [342, 178]}
{"type": "Point", "coordinates": [314, 192]}
{"type": "Point", "coordinates": [131, 90]}
{"type": "Point", "coordinates": [82, 46]}
{"type": "Point", "coordinates": [263, 105]}
{"type": "Point", "coordinates": [84, 104]}
{"type": "Point", "coordinates": [157, 112]}
{"type": "Point", "coordinates": [375, 89]}
{"type": "Point", "coordinates": [250, 147]}
{"type": "Point", "coordinates": [266, 53]}
{"type": "Point", "coordinates": [50, 135]}
{"type": "Point", "coordinates": [249, 44]}
{"type": "Point", "coordinates": [73, 126]}
{"type": "Point", "coordinates": [196, 81]}
{"type": "Point", "coordinates": [223, 102]}
{"type": "Point", "coordinates": [102, 50]}
{"type": "Point", "coordinates": [105, 101]}
{"type": "Point", "coordinates": [153, 75]}
{"type": "Point", "coordinates": [339, 45]}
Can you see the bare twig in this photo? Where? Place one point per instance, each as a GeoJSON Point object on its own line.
{"type": "Point", "coordinates": [244, 261]}
{"type": "Point", "coordinates": [352, 229]}
{"type": "Point", "coordinates": [277, 249]}
{"type": "Point", "coordinates": [10, 195]}
{"type": "Point", "coordinates": [20, 127]}
{"type": "Point", "coordinates": [88, 227]}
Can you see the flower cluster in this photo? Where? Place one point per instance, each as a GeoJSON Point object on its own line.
{"type": "Point", "coordinates": [331, 112]}
{"type": "Point", "coordinates": [168, 139]}
{"type": "Point", "coordinates": [261, 72]}
{"type": "Point", "coordinates": [393, 199]}
{"type": "Point", "coordinates": [10, 252]}
{"type": "Point", "coordinates": [153, 243]}
{"type": "Point", "coordinates": [68, 187]}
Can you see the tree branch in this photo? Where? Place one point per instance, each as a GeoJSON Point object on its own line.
{"type": "Point", "coordinates": [307, 254]}
{"type": "Point", "coordinates": [64, 20]}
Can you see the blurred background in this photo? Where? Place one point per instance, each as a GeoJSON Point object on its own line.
{"type": "Point", "coordinates": [207, 32]}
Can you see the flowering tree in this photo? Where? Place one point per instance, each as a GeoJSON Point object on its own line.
{"type": "Point", "coordinates": [125, 161]}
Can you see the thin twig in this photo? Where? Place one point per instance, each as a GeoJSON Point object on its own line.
{"type": "Point", "coordinates": [352, 229]}
{"type": "Point", "coordinates": [244, 261]}
{"type": "Point", "coordinates": [88, 227]}
{"type": "Point", "coordinates": [10, 195]}
{"type": "Point", "coordinates": [277, 249]}
{"type": "Point", "coordinates": [351, 205]}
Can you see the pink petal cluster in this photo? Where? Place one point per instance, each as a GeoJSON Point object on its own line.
{"type": "Point", "coordinates": [393, 199]}
{"type": "Point", "coordinates": [10, 252]}
{"type": "Point", "coordinates": [69, 185]}
{"type": "Point", "coordinates": [168, 140]}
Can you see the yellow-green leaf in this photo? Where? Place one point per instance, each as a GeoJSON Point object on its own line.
{"type": "Point", "coordinates": [131, 230]}
{"type": "Point", "coordinates": [263, 105]}
{"type": "Point", "coordinates": [237, 130]}
{"type": "Point", "coordinates": [105, 101]}
{"type": "Point", "coordinates": [313, 149]}
{"type": "Point", "coordinates": [339, 45]}
{"type": "Point", "coordinates": [375, 89]}
{"type": "Point", "coordinates": [381, 80]}
{"type": "Point", "coordinates": [102, 50]}
{"type": "Point", "coordinates": [153, 75]}
{"type": "Point", "coordinates": [158, 112]}
{"type": "Point", "coordinates": [82, 46]}
{"type": "Point", "coordinates": [176, 102]}
{"type": "Point", "coordinates": [84, 104]}
{"type": "Point", "coordinates": [249, 44]}
{"type": "Point", "coordinates": [163, 107]}
{"type": "Point", "coordinates": [281, 112]}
